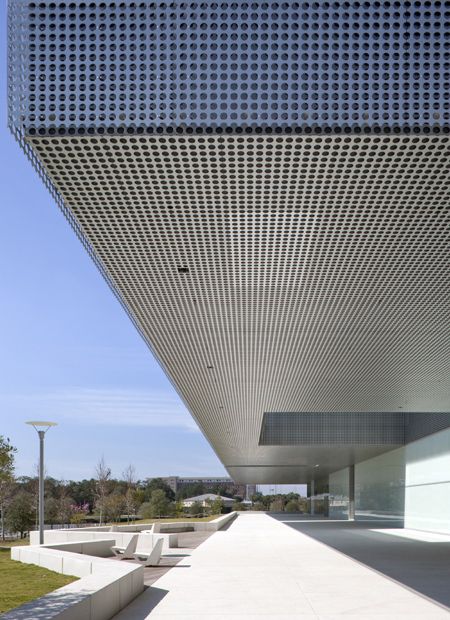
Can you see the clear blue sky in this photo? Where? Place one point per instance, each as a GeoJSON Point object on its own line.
{"type": "Point", "coordinates": [69, 353]}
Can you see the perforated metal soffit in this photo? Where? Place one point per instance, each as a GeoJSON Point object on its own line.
{"type": "Point", "coordinates": [266, 188]}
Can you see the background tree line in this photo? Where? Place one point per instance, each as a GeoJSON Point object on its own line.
{"type": "Point", "coordinates": [104, 499]}
{"type": "Point", "coordinates": [289, 502]}
{"type": "Point", "coordinates": [100, 499]}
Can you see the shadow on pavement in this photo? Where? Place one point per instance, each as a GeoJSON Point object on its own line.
{"type": "Point", "coordinates": [422, 566]}
{"type": "Point", "coordinates": [140, 608]}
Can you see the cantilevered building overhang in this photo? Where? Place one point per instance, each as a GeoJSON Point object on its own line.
{"type": "Point", "coordinates": [265, 186]}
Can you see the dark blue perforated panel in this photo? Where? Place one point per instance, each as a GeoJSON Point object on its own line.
{"type": "Point", "coordinates": [185, 66]}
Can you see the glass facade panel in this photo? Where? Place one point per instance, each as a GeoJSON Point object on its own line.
{"type": "Point", "coordinates": [380, 487]}
{"type": "Point", "coordinates": [339, 494]}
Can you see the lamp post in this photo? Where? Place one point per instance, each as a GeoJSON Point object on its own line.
{"type": "Point", "coordinates": [41, 428]}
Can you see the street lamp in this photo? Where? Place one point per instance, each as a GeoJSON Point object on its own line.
{"type": "Point", "coordinates": [41, 428]}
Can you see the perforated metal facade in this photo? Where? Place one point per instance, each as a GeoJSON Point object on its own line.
{"type": "Point", "coordinates": [272, 262]}
{"type": "Point", "coordinates": [329, 429]}
{"type": "Point", "coordinates": [312, 66]}
{"type": "Point", "coordinates": [422, 425]}
{"type": "Point", "coordinates": [349, 429]}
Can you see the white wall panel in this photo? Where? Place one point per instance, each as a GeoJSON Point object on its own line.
{"type": "Point", "coordinates": [427, 507]}
{"type": "Point", "coordinates": [427, 493]}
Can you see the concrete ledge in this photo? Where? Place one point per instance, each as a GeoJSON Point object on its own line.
{"type": "Point", "coordinates": [121, 539]}
{"type": "Point", "coordinates": [220, 522]}
{"type": "Point", "coordinates": [121, 534]}
{"type": "Point", "coordinates": [198, 526]}
{"type": "Point", "coordinates": [104, 587]}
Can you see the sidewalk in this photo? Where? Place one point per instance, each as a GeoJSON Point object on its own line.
{"type": "Point", "coordinates": [261, 568]}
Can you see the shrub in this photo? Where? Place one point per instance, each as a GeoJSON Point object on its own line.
{"type": "Point", "coordinates": [196, 509]}
{"type": "Point", "coordinates": [238, 506]}
{"type": "Point", "coordinates": [292, 506]}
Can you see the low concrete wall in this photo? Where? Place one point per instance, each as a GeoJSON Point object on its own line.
{"type": "Point", "coordinates": [120, 539]}
{"type": "Point", "coordinates": [219, 523]}
{"type": "Point", "coordinates": [198, 526]}
{"type": "Point", "coordinates": [122, 533]}
{"type": "Point", "coordinates": [104, 588]}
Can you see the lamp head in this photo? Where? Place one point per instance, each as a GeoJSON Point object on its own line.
{"type": "Point", "coordinates": [41, 425]}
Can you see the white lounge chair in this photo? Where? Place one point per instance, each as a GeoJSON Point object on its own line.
{"type": "Point", "coordinates": [150, 557]}
{"type": "Point", "coordinates": [126, 553]}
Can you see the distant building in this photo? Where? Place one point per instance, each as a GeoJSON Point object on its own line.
{"type": "Point", "coordinates": [205, 499]}
{"type": "Point", "coordinates": [210, 484]}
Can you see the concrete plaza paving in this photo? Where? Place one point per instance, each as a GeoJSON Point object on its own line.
{"type": "Point", "coordinates": [260, 567]}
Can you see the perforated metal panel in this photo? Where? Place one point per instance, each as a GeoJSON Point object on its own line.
{"type": "Point", "coordinates": [349, 429]}
{"type": "Point", "coordinates": [186, 66]}
{"type": "Point", "coordinates": [274, 273]}
{"type": "Point", "coordinates": [285, 271]}
{"type": "Point", "coordinates": [343, 429]}
{"type": "Point", "coordinates": [420, 425]}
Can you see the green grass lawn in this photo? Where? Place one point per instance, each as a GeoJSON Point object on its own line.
{"type": "Point", "coordinates": [20, 583]}
{"type": "Point", "coordinates": [14, 543]}
{"type": "Point", "coordinates": [168, 520]}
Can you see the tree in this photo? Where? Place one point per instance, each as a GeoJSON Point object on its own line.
{"type": "Point", "coordinates": [191, 490]}
{"type": "Point", "coordinates": [83, 492]}
{"type": "Point", "coordinates": [145, 510]}
{"type": "Point", "coordinates": [238, 506]}
{"type": "Point", "coordinates": [139, 495]}
{"type": "Point", "coordinates": [257, 497]}
{"type": "Point", "coordinates": [277, 505]}
{"type": "Point", "coordinates": [215, 506]}
{"type": "Point", "coordinates": [103, 476]}
{"type": "Point", "coordinates": [7, 452]}
{"type": "Point", "coordinates": [113, 505]}
{"type": "Point", "coordinates": [292, 506]}
{"type": "Point", "coordinates": [179, 509]}
{"type": "Point", "coordinates": [51, 511]}
{"type": "Point", "coordinates": [159, 503]}
{"type": "Point", "coordinates": [157, 484]}
{"type": "Point", "coordinates": [196, 509]}
{"type": "Point", "coordinates": [303, 504]}
{"type": "Point", "coordinates": [221, 489]}
{"type": "Point", "coordinates": [129, 476]}
{"type": "Point", "coordinates": [33, 489]}
{"type": "Point", "coordinates": [20, 515]}
{"type": "Point", "coordinates": [65, 509]}
{"type": "Point", "coordinates": [258, 506]}
{"type": "Point", "coordinates": [291, 496]}
{"type": "Point", "coordinates": [79, 513]}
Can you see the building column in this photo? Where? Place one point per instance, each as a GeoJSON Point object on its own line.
{"type": "Point", "coordinates": [351, 493]}
{"type": "Point", "coordinates": [312, 493]}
